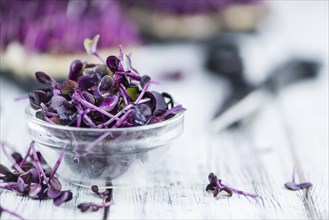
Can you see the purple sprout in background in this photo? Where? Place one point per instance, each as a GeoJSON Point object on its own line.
{"type": "Point", "coordinates": [61, 26]}
{"type": "Point", "coordinates": [217, 186]}
{"type": "Point", "coordinates": [108, 95]}
{"type": "Point", "coordinates": [294, 186]}
{"type": "Point", "coordinates": [176, 75]}
{"type": "Point", "coordinates": [185, 7]}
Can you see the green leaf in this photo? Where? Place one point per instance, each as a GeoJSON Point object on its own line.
{"type": "Point", "coordinates": [91, 44]}
{"type": "Point", "coordinates": [68, 87]}
{"type": "Point", "coordinates": [133, 92]}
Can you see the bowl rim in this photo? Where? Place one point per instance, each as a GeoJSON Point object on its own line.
{"type": "Point", "coordinates": [30, 117]}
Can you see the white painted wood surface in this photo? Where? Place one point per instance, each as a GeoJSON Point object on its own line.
{"type": "Point", "coordinates": [290, 130]}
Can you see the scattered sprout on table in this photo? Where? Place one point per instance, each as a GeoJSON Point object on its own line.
{"type": "Point", "coordinates": [93, 206]}
{"type": "Point", "coordinates": [29, 178]}
{"type": "Point", "coordinates": [85, 206]}
{"type": "Point", "coordinates": [294, 186]}
{"type": "Point", "coordinates": [217, 186]}
{"type": "Point", "coordinates": [102, 195]}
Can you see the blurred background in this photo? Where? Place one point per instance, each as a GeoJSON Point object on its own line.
{"type": "Point", "coordinates": [209, 54]}
{"type": "Point", "coordinates": [252, 74]}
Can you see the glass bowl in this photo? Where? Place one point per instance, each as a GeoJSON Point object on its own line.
{"type": "Point", "coordinates": [104, 157]}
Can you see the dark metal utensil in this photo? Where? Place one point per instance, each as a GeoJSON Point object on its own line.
{"type": "Point", "coordinates": [242, 104]}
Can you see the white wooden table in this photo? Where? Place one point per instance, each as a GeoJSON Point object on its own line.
{"type": "Point", "coordinates": [290, 130]}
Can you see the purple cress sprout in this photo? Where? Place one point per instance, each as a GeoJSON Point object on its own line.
{"type": "Point", "coordinates": [93, 206]}
{"type": "Point", "coordinates": [294, 186]}
{"type": "Point", "coordinates": [30, 179]}
{"type": "Point", "coordinates": [85, 206]}
{"type": "Point", "coordinates": [111, 94]}
{"type": "Point", "coordinates": [217, 186]}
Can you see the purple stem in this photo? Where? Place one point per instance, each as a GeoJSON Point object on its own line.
{"type": "Point", "coordinates": [89, 105]}
{"type": "Point", "coordinates": [56, 91]}
{"type": "Point", "coordinates": [117, 115]}
{"type": "Point", "coordinates": [8, 185]}
{"type": "Point", "coordinates": [157, 119]}
{"type": "Point", "coordinates": [89, 121]}
{"type": "Point", "coordinates": [52, 114]}
{"type": "Point", "coordinates": [58, 162]}
{"type": "Point", "coordinates": [154, 82]}
{"type": "Point", "coordinates": [122, 119]}
{"type": "Point", "coordinates": [44, 107]}
{"type": "Point", "coordinates": [26, 156]}
{"type": "Point", "coordinates": [2, 209]}
{"type": "Point", "coordinates": [48, 120]}
{"type": "Point", "coordinates": [98, 205]}
{"type": "Point", "coordinates": [124, 93]}
{"type": "Point", "coordinates": [55, 84]}
{"type": "Point", "coordinates": [294, 174]}
{"type": "Point", "coordinates": [99, 57]}
{"type": "Point", "coordinates": [13, 162]}
{"type": "Point", "coordinates": [221, 185]}
{"type": "Point", "coordinates": [106, 204]}
{"type": "Point", "coordinates": [121, 112]}
{"type": "Point", "coordinates": [21, 98]}
{"type": "Point", "coordinates": [99, 139]}
{"type": "Point", "coordinates": [75, 147]}
{"type": "Point", "coordinates": [172, 110]}
{"type": "Point", "coordinates": [105, 94]}
{"type": "Point", "coordinates": [133, 75]}
{"type": "Point", "coordinates": [239, 191]}
{"type": "Point", "coordinates": [142, 93]}
{"type": "Point", "coordinates": [82, 113]}
{"type": "Point", "coordinates": [37, 162]}
{"type": "Point", "coordinates": [121, 52]}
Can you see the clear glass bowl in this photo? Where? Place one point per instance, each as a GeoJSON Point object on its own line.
{"type": "Point", "coordinates": [104, 157]}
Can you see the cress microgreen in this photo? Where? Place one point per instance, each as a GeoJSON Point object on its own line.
{"type": "Point", "coordinates": [106, 95]}
{"type": "Point", "coordinates": [294, 186]}
{"type": "Point", "coordinates": [30, 178]}
{"type": "Point", "coordinates": [216, 186]}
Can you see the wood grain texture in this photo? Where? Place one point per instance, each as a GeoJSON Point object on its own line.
{"type": "Point", "coordinates": [290, 130]}
{"type": "Point", "coordinates": [258, 157]}
{"type": "Point", "coordinates": [306, 123]}
{"type": "Point", "coordinates": [234, 157]}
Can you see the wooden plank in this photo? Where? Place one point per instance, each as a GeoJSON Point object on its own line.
{"type": "Point", "coordinates": [256, 158]}
{"type": "Point", "coordinates": [234, 159]}
{"type": "Point", "coordinates": [305, 115]}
